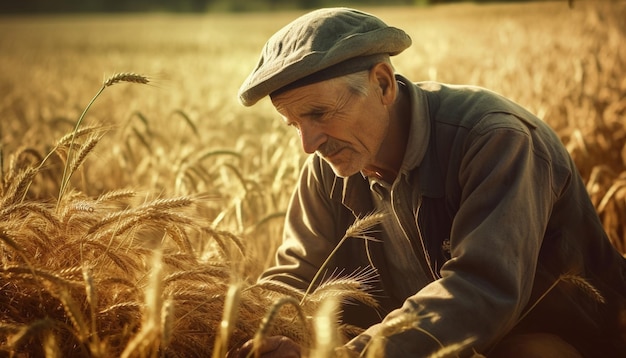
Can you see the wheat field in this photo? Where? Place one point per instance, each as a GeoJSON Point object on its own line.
{"type": "Point", "coordinates": [136, 225]}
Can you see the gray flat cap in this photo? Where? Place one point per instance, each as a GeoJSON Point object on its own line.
{"type": "Point", "coordinates": [317, 42]}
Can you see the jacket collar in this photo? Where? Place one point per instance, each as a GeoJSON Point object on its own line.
{"type": "Point", "coordinates": [419, 166]}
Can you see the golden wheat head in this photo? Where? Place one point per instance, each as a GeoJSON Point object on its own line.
{"type": "Point", "coordinates": [125, 77]}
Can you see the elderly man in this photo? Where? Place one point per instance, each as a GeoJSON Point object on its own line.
{"type": "Point", "coordinates": [485, 210]}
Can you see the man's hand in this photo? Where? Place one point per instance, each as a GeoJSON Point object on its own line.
{"type": "Point", "coordinates": [271, 347]}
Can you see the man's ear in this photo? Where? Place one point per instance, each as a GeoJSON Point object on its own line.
{"type": "Point", "coordinates": [383, 75]}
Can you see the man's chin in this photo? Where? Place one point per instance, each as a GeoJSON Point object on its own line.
{"type": "Point", "coordinates": [342, 171]}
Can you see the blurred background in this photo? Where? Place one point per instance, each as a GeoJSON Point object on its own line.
{"type": "Point", "coordinates": [64, 6]}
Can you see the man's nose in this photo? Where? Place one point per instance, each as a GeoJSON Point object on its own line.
{"type": "Point", "coordinates": [311, 138]}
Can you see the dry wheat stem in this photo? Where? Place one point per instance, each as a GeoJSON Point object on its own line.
{"type": "Point", "coordinates": [358, 229]}
{"type": "Point", "coordinates": [580, 282]}
{"type": "Point", "coordinates": [269, 319]}
{"type": "Point", "coordinates": [375, 345]}
{"type": "Point", "coordinates": [584, 286]}
{"type": "Point", "coordinates": [167, 324]}
{"type": "Point", "coordinates": [229, 320]}
{"type": "Point", "coordinates": [151, 330]}
{"type": "Point", "coordinates": [28, 330]}
{"type": "Point", "coordinates": [218, 234]}
{"type": "Point", "coordinates": [325, 323]}
{"type": "Point", "coordinates": [73, 311]}
{"type": "Point", "coordinates": [92, 301]}
{"type": "Point", "coordinates": [454, 349]}
{"type": "Point", "coordinates": [126, 77]}
{"type": "Point", "coordinates": [50, 346]}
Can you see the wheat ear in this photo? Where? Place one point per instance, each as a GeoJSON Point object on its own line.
{"type": "Point", "coordinates": [84, 151]}
{"type": "Point", "coordinates": [120, 77]}
{"type": "Point", "coordinates": [125, 77]}
{"type": "Point", "coordinates": [361, 228]}
{"type": "Point", "coordinates": [578, 281]}
{"type": "Point", "coordinates": [584, 286]}
{"type": "Point", "coordinates": [399, 324]}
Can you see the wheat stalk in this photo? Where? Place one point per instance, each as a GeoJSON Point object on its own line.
{"type": "Point", "coordinates": [50, 346]}
{"type": "Point", "coordinates": [398, 324]}
{"type": "Point", "coordinates": [452, 350]}
{"type": "Point", "coordinates": [73, 312]}
{"type": "Point", "coordinates": [180, 237]}
{"type": "Point", "coordinates": [120, 77]}
{"type": "Point", "coordinates": [361, 228]}
{"type": "Point", "coordinates": [92, 301]}
{"type": "Point", "coordinates": [33, 328]}
{"type": "Point", "coordinates": [580, 282]}
{"type": "Point", "coordinates": [148, 338]}
{"type": "Point", "coordinates": [218, 236]}
{"type": "Point", "coordinates": [229, 320]}
{"type": "Point", "coordinates": [167, 322]}
{"type": "Point", "coordinates": [326, 333]}
{"type": "Point", "coordinates": [584, 286]}
{"type": "Point", "coordinates": [267, 321]}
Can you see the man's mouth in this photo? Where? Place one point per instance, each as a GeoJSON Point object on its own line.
{"type": "Point", "coordinates": [332, 154]}
{"type": "Point", "coordinates": [330, 149]}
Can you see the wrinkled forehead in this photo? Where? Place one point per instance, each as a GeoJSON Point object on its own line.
{"type": "Point", "coordinates": [324, 92]}
{"type": "Point", "coordinates": [319, 96]}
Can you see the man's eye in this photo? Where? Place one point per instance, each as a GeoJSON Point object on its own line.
{"type": "Point", "coordinates": [316, 115]}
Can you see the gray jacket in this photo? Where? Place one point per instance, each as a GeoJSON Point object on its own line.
{"type": "Point", "coordinates": [497, 214]}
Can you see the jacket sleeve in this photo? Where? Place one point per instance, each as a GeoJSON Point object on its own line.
{"type": "Point", "coordinates": [310, 228]}
{"type": "Point", "coordinates": [507, 192]}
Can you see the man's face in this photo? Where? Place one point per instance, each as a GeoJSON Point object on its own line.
{"type": "Point", "coordinates": [345, 128]}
